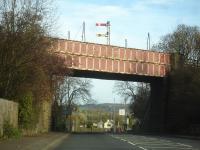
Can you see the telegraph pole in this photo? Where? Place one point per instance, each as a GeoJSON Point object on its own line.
{"type": "Point", "coordinates": [68, 35]}
{"type": "Point", "coordinates": [83, 33]}
{"type": "Point", "coordinates": [148, 41]}
{"type": "Point", "coordinates": [114, 129]}
{"type": "Point", "coordinates": [126, 43]}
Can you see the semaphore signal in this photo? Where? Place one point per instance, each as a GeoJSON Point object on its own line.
{"type": "Point", "coordinates": [102, 35]}
{"type": "Point", "coordinates": [107, 34]}
{"type": "Point", "coordinates": [101, 24]}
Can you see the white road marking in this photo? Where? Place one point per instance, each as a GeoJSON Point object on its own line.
{"type": "Point", "coordinates": [131, 143]}
{"type": "Point", "coordinates": [157, 145]}
{"type": "Point", "coordinates": [152, 142]}
{"type": "Point", "coordinates": [145, 143]}
{"type": "Point", "coordinates": [135, 145]}
{"type": "Point", "coordinates": [142, 148]}
{"type": "Point", "coordinates": [123, 140]}
{"type": "Point", "coordinates": [184, 145]}
{"type": "Point", "coordinates": [171, 147]}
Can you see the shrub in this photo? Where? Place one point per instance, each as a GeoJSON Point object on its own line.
{"type": "Point", "coordinates": [27, 113]}
{"type": "Point", "coordinates": [9, 131]}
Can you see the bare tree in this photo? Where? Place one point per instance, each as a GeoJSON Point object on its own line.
{"type": "Point", "coordinates": [23, 28]}
{"type": "Point", "coordinates": [140, 103]}
{"type": "Point", "coordinates": [185, 40]}
{"type": "Point", "coordinates": [69, 92]}
{"type": "Point", "coordinates": [183, 101]}
{"type": "Point", "coordinates": [125, 89]}
{"type": "Point", "coordinates": [137, 94]}
{"type": "Point", "coordinates": [24, 57]}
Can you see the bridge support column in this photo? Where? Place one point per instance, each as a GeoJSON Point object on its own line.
{"type": "Point", "coordinates": [155, 117]}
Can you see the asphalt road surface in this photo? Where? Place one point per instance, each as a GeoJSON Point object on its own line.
{"type": "Point", "coordinates": [125, 142]}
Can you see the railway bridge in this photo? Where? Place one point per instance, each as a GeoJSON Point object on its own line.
{"type": "Point", "coordinates": [100, 61]}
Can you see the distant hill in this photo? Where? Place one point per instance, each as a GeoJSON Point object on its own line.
{"type": "Point", "coordinates": [107, 107]}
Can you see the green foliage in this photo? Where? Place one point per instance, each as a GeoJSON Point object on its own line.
{"type": "Point", "coordinates": [139, 100]}
{"type": "Point", "coordinates": [60, 125]}
{"type": "Point", "coordinates": [27, 114]}
{"type": "Point", "coordinates": [22, 46]}
{"type": "Point", "coordinates": [89, 124]}
{"type": "Point", "coordinates": [9, 131]}
{"type": "Point", "coordinates": [183, 103]}
{"type": "Point", "coordinates": [185, 40]}
{"type": "Point", "coordinates": [69, 91]}
{"type": "Point", "coordinates": [184, 81]}
{"type": "Point", "coordinates": [26, 64]}
{"type": "Point", "coordinates": [184, 99]}
{"type": "Point", "coordinates": [58, 118]}
{"type": "Point", "coordinates": [181, 80]}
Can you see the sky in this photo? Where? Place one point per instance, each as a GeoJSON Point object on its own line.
{"type": "Point", "coordinates": [130, 19]}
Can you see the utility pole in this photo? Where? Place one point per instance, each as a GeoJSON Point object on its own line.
{"type": "Point", "coordinates": [148, 41]}
{"type": "Point", "coordinates": [83, 33]}
{"type": "Point", "coordinates": [114, 127]}
{"type": "Point", "coordinates": [125, 115]}
{"type": "Point", "coordinates": [68, 33]}
{"type": "Point", "coordinates": [126, 43]}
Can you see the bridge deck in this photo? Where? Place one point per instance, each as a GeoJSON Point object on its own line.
{"type": "Point", "coordinates": [112, 59]}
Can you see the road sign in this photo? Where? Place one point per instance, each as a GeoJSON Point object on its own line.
{"type": "Point", "coordinates": [122, 112]}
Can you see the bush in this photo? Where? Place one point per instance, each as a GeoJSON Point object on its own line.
{"type": "Point", "coordinates": [89, 124]}
{"type": "Point", "coordinates": [9, 131]}
{"type": "Point", "coordinates": [183, 104]}
{"type": "Point", "coordinates": [27, 113]}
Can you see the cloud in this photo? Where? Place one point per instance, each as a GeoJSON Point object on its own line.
{"type": "Point", "coordinates": [146, 5]}
{"type": "Point", "coordinates": [160, 2]}
{"type": "Point", "coordinates": [93, 10]}
{"type": "Point", "coordinates": [72, 15]}
{"type": "Point", "coordinates": [128, 20]}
